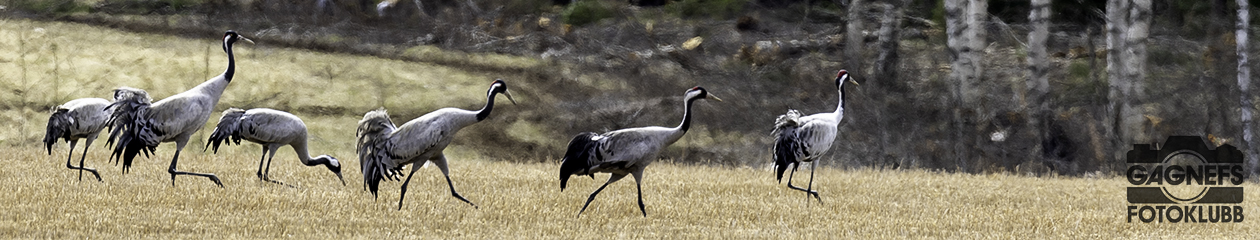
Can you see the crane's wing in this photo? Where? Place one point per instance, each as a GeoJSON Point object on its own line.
{"type": "Point", "coordinates": [625, 146]}
{"type": "Point", "coordinates": [582, 153]}
{"type": "Point", "coordinates": [373, 144]}
{"type": "Point", "coordinates": [228, 129]}
{"type": "Point", "coordinates": [800, 139]}
{"type": "Point", "coordinates": [272, 126]}
{"type": "Point", "coordinates": [132, 126]}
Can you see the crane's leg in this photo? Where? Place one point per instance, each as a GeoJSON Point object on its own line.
{"type": "Point", "coordinates": [70, 156]}
{"type": "Point", "coordinates": [260, 162]}
{"type": "Point", "coordinates": [179, 147]}
{"type": "Point", "coordinates": [611, 179]}
{"type": "Point", "coordinates": [810, 189]}
{"type": "Point", "coordinates": [808, 192]}
{"type": "Point", "coordinates": [404, 186]}
{"type": "Point", "coordinates": [440, 161]}
{"type": "Point", "coordinates": [83, 156]}
{"type": "Point", "coordinates": [638, 184]}
{"type": "Point", "coordinates": [272, 156]}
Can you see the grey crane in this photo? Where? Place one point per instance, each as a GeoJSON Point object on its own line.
{"type": "Point", "coordinates": [625, 151]}
{"type": "Point", "coordinates": [272, 129]}
{"type": "Point", "coordinates": [138, 126]}
{"type": "Point", "coordinates": [82, 118]}
{"type": "Point", "coordinates": [385, 149]}
{"type": "Point", "coordinates": [804, 139]}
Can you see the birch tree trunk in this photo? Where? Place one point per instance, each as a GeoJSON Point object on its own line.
{"type": "Point", "coordinates": [1038, 104]}
{"type": "Point", "coordinates": [853, 39]}
{"type": "Point", "coordinates": [1128, 25]}
{"type": "Point", "coordinates": [1244, 86]}
{"type": "Point", "coordinates": [965, 30]}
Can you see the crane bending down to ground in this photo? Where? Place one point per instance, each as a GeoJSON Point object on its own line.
{"type": "Point", "coordinates": [137, 126]}
{"type": "Point", "coordinates": [385, 149]}
{"type": "Point", "coordinates": [804, 139]}
{"type": "Point", "coordinates": [273, 129]}
{"type": "Point", "coordinates": [625, 151]}
{"type": "Point", "coordinates": [82, 118]}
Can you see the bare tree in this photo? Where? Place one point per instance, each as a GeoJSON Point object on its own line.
{"type": "Point", "coordinates": [1244, 85]}
{"type": "Point", "coordinates": [1128, 25]}
{"type": "Point", "coordinates": [965, 30]}
{"type": "Point", "coordinates": [1038, 105]}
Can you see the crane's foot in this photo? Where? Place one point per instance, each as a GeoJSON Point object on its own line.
{"type": "Point", "coordinates": [81, 169]}
{"type": "Point", "coordinates": [212, 177]}
{"type": "Point", "coordinates": [267, 179]}
{"type": "Point", "coordinates": [808, 192]}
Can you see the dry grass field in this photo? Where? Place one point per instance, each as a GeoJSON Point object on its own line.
{"type": "Point", "coordinates": [43, 64]}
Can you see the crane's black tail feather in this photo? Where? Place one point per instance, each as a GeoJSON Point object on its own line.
{"type": "Point", "coordinates": [58, 127]}
{"type": "Point", "coordinates": [373, 149]}
{"type": "Point", "coordinates": [132, 129]}
{"type": "Point", "coordinates": [581, 155]}
{"type": "Point", "coordinates": [786, 146]}
{"type": "Point", "coordinates": [228, 129]}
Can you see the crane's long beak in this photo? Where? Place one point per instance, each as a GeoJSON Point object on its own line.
{"type": "Point", "coordinates": [246, 39]}
{"type": "Point", "coordinates": [854, 81]}
{"type": "Point", "coordinates": [343, 180]}
{"type": "Point", "coordinates": [714, 97]}
{"type": "Point", "coordinates": [509, 95]}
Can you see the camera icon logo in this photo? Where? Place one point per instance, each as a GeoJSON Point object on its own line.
{"type": "Point", "coordinates": [1184, 171]}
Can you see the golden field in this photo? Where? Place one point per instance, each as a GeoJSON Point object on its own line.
{"type": "Point", "coordinates": [55, 62]}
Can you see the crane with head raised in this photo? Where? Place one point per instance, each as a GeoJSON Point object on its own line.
{"type": "Point", "coordinates": [806, 138]}
{"type": "Point", "coordinates": [136, 126]}
{"type": "Point", "coordinates": [624, 152]}
{"type": "Point", "coordinates": [384, 149]}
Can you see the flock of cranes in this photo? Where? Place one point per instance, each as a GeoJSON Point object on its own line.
{"type": "Point", "coordinates": [137, 125]}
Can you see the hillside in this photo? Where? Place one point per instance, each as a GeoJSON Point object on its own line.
{"type": "Point", "coordinates": [605, 65]}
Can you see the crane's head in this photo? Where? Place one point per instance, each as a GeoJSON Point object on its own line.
{"type": "Point", "coordinates": [498, 86]}
{"type": "Point", "coordinates": [231, 37]}
{"type": "Point", "coordinates": [699, 93]}
{"type": "Point", "coordinates": [332, 164]}
{"type": "Point", "coordinates": [843, 76]}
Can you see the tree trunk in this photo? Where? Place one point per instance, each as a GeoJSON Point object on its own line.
{"type": "Point", "coordinates": [965, 30]}
{"type": "Point", "coordinates": [1128, 24]}
{"type": "Point", "coordinates": [889, 40]}
{"type": "Point", "coordinates": [1037, 102]}
{"type": "Point", "coordinates": [1244, 86]}
{"type": "Point", "coordinates": [885, 75]}
{"type": "Point", "coordinates": [854, 38]}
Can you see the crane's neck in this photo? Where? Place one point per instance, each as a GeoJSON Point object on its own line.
{"type": "Point", "coordinates": [299, 147]}
{"type": "Point", "coordinates": [686, 122]}
{"type": "Point", "coordinates": [840, 105]}
{"type": "Point", "coordinates": [231, 69]}
{"type": "Point", "coordinates": [485, 111]}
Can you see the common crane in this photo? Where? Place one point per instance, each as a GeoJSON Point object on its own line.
{"type": "Point", "coordinates": [138, 126]}
{"type": "Point", "coordinates": [82, 118]}
{"type": "Point", "coordinates": [385, 149]}
{"type": "Point", "coordinates": [625, 151]}
{"type": "Point", "coordinates": [804, 139]}
{"type": "Point", "coordinates": [272, 129]}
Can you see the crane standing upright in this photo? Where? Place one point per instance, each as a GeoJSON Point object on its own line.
{"type": "Point", "coordinates": [138, 126]}
{"type": "Point", "coordinates": [804, 139]}
{"type": "Point", "coordinates": [272, 129]}
{"type": "Point", "coordinates": [385, 149]}
{"type": "Point", "coordinates": [624, 152]}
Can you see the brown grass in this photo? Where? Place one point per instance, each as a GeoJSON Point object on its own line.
{"type": "Point", "coordinates": [523, 200]}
